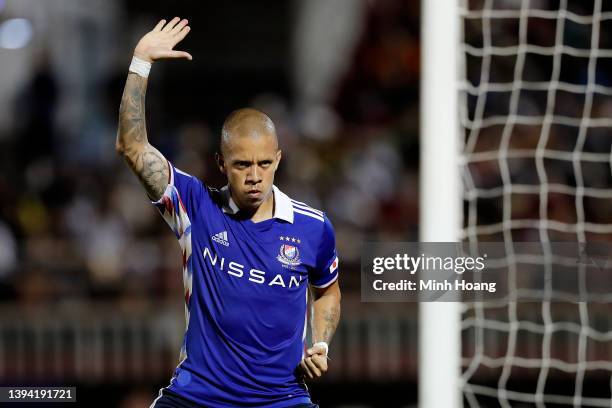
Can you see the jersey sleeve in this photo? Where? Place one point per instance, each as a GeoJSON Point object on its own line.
{"type": "Point", "coordinates": [326, 270]}
{"type": "Point", "coordinates": [181, 200]}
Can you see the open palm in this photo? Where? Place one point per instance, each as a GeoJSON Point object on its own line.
{"type": "Point", "coordinates": [160, 42]}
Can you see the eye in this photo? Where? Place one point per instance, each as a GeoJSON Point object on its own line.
{"type": "Point", "coordinates": [241, 164]}
{"type": "Point", "coordinates": [265, 164]}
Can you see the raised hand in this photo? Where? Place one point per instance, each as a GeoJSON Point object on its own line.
{"type": "Point", "coordinates": [160, 42]}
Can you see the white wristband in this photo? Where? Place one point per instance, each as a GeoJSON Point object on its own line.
{"type": "Point", "coordinates": [323, 345]}
{"type": "Point", "coordinates": [140, 67]}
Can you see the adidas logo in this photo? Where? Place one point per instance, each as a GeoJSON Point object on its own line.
{"type": "Point", "coordinates": [221, 238]}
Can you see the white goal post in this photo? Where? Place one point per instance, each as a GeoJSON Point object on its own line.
{"type": "Point", "coordinates": [440, 197]}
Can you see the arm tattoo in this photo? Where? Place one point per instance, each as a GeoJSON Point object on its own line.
{"type": "Point", "coordinates": [132, 127]}
{"type": "Point", "coordinates": [326, 314]}
{"type": "Point", "coordinates": [152, 170]}
{"type": "Point", "coordinates": [147, 162]}
{"type": "Point", "coordinates": [331, 318]}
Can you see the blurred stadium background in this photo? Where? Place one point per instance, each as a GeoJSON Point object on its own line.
{"type": "Point", "coordinates": [90, 280]}
{"type": "Point", "coordinates": [90, 283]}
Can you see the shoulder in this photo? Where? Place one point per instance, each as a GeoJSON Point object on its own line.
{"type": "Point", "coordinates": [317, 229]}
{"type": "Point", "coordinates": [305, 213]}
{"type": "Point", "coordinates": [194, 188]}
{"type": "Point", "coordinates": [217, 196]}
{"type": "Point", "coordinates": [313, 219]}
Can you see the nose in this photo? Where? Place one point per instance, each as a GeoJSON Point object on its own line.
{"type": "Point", "coordinates": [254, 175]}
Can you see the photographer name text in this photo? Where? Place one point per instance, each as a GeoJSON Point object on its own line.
{"type": "Point", "coordinates": [434, 285]}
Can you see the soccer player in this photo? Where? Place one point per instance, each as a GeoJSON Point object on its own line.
{"type": "Point", "coordinates": [250, 254]}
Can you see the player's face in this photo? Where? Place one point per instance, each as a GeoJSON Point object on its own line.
{"type": "Point", "coordinates": [249, 164]}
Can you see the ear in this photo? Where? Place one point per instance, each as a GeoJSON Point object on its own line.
{"type": "Point", "coordinates": [220, 163]}
{"type": "Point", "coordinates": [279, 155]}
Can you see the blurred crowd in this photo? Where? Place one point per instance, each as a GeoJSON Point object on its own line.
{"type": "Point", "coordinates": [75, 224]}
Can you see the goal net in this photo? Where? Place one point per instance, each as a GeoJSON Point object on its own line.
{"type": "Point", "coordinates": [536, 118]}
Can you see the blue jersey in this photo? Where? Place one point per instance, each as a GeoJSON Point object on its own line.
{"type": "Point", "coordinates": [245, 294]}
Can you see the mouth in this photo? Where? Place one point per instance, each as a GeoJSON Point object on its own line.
{"type": "Point", "coordinates": [253, 193]}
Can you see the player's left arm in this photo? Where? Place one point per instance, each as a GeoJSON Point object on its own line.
{"type": "Point", "coordinates": [326, 315]}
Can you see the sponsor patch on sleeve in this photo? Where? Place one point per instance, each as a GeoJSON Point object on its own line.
{"type": "Point", "coordinates": [333, 266]}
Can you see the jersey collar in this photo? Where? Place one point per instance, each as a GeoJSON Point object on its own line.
{"type": "Point", "coordinates": [283, 209]}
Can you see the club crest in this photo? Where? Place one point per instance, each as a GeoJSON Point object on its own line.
{"type": "Point", "coordinates": [289, 255]}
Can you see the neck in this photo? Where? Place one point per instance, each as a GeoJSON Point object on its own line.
{"type": "Point", "coordinates": [265, 211]}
